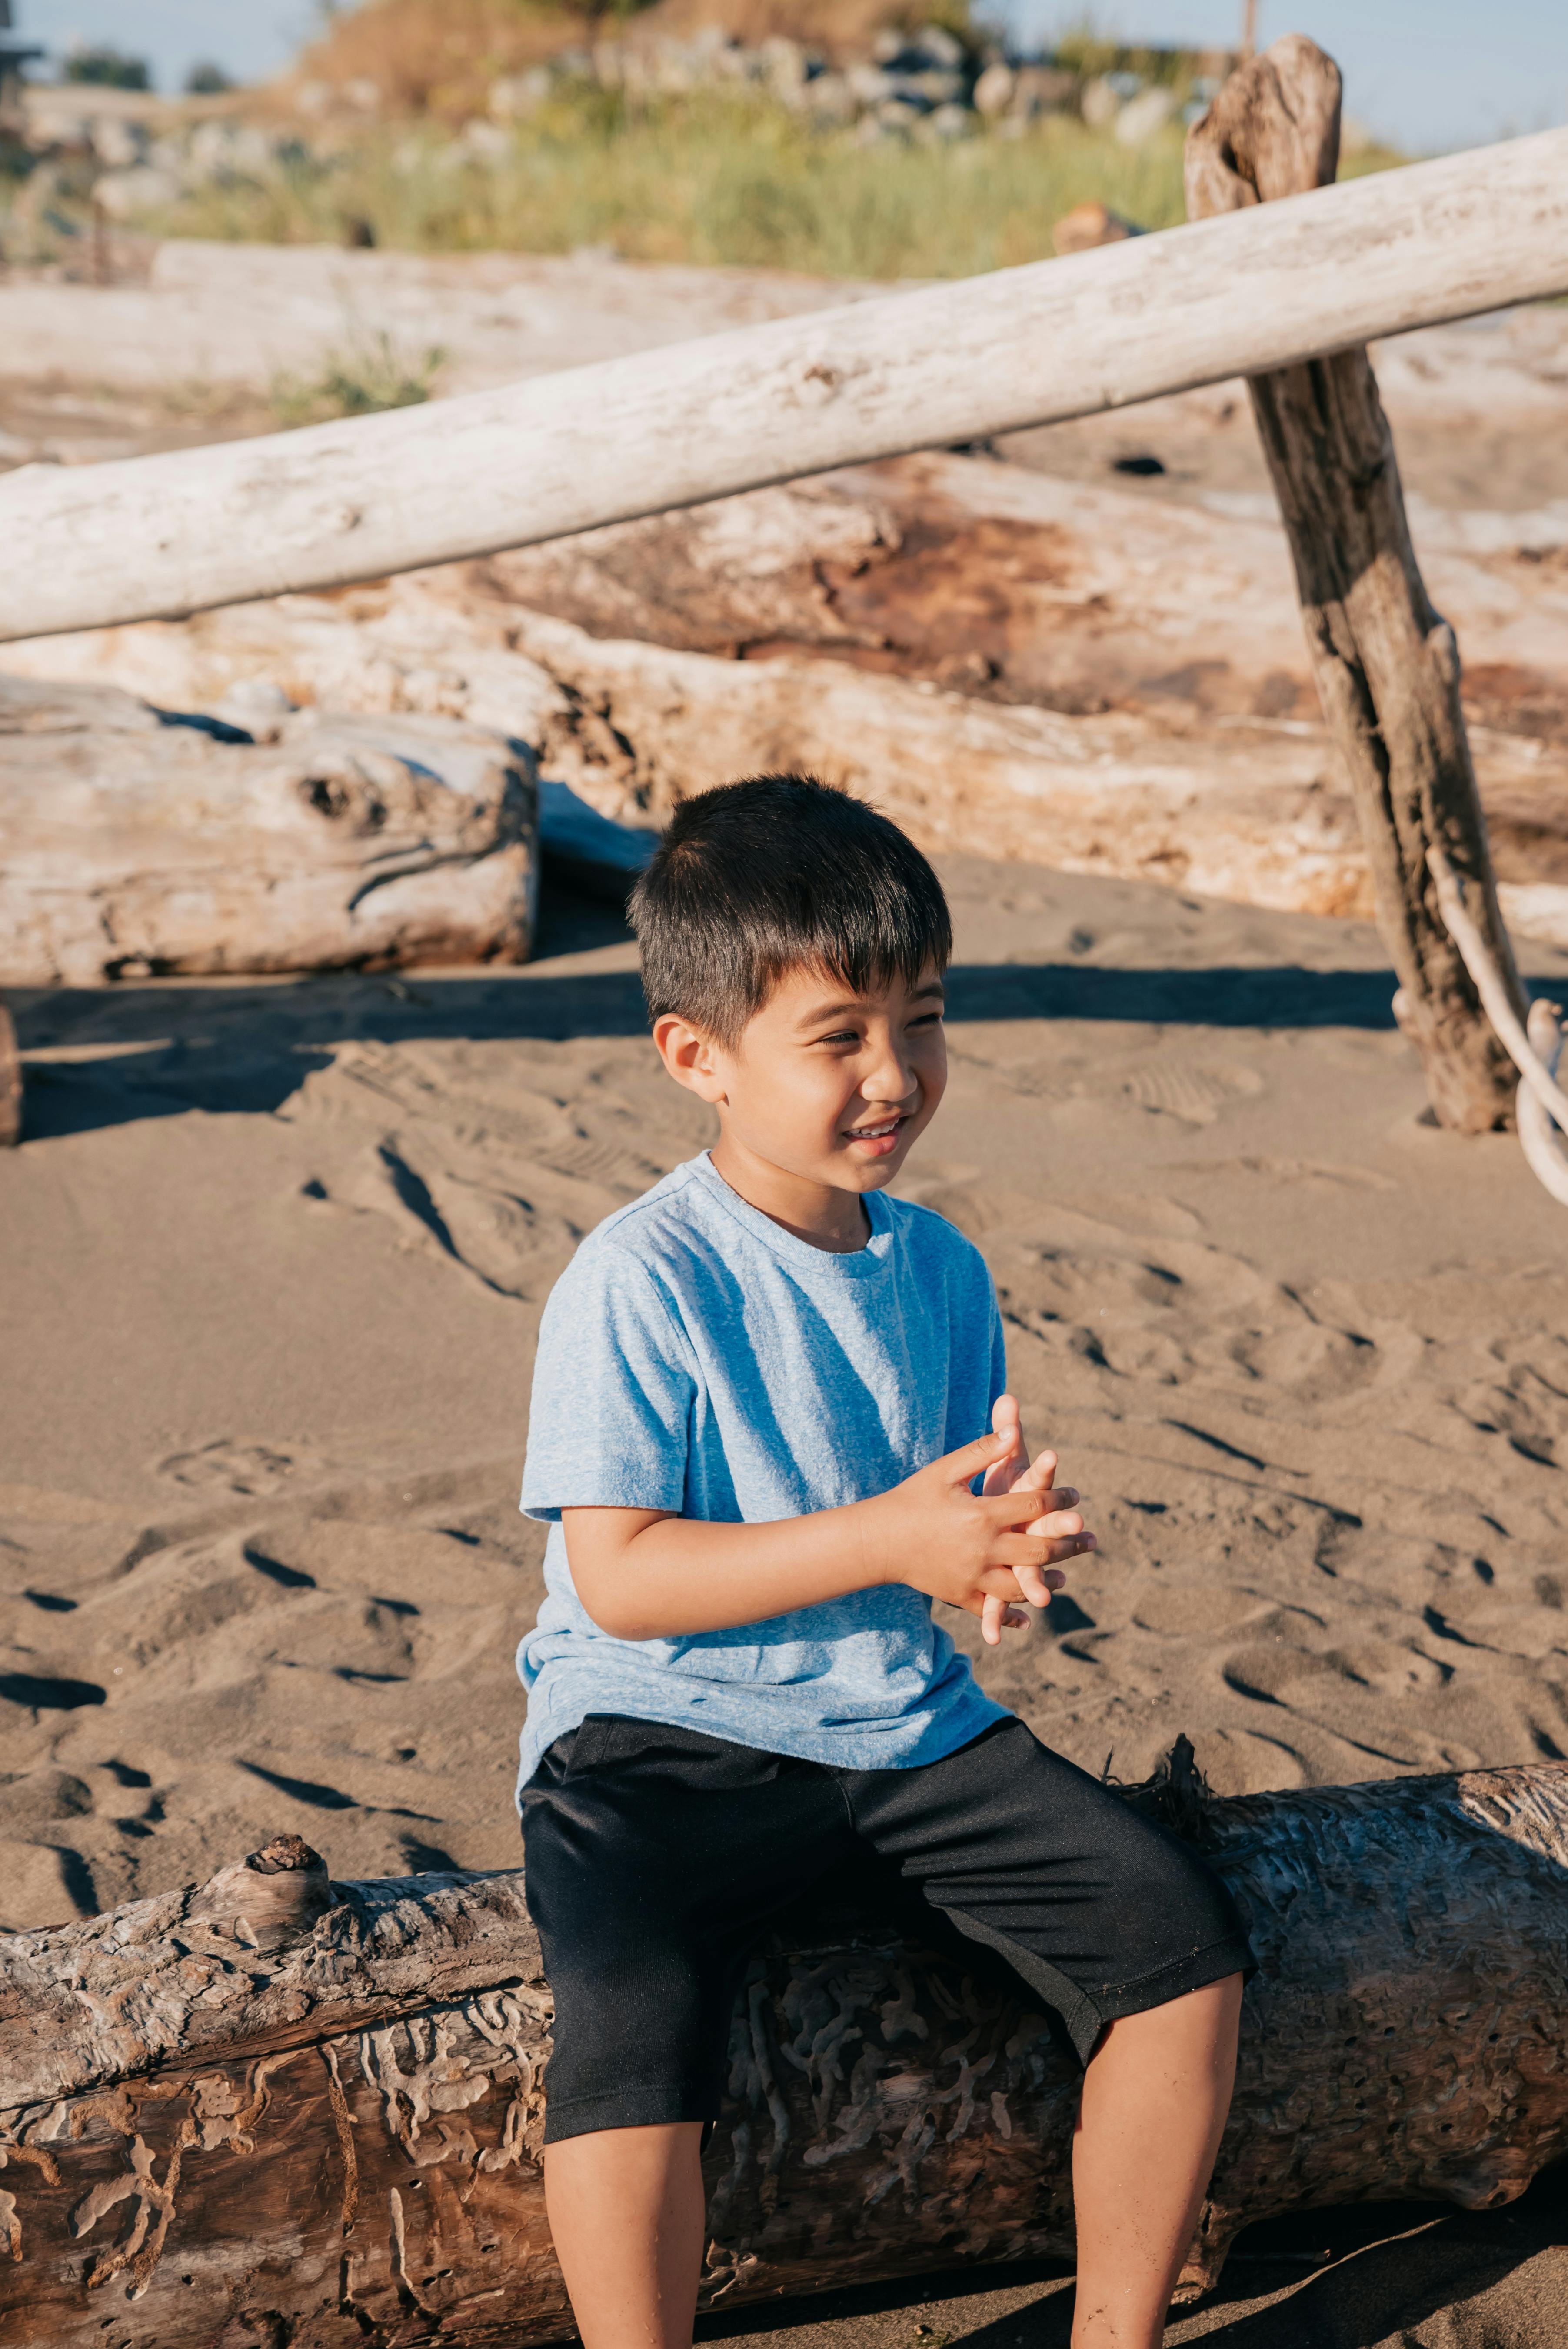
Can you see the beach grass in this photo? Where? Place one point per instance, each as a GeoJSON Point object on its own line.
{"type": "Point", "coordinates": [717, 178]}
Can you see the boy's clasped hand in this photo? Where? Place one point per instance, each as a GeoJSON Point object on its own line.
{"type": "Point", "coordinates": [990, 1551]}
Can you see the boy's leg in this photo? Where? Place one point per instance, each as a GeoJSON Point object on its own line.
{"type": "Point", "coordinates": [1134, 1940]}
{"type": "Point", "coordinates": [626, 2213]}
{"type": "Point", "coordinates": [653, 1857]}
{"type": "Point", "coordinates": [1154, 2103]}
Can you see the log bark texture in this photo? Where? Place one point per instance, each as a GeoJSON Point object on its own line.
{"type": "Point", "coordinates": [131, 847]}
{"type": "Point", "coordinates": [275, 2110]}
{"type": "Point", "coordinates": [1386, 663]}
{"type": "Point", "coordinates": [1261, 289]}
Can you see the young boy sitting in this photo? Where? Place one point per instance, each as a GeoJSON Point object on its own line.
{"type": "Point", "coordinates": [759, 1420]}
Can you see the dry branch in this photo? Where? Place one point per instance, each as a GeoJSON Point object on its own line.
{"type": "Point", "coordinates": [128, 846]}
{"type": "Point", "coordinates": [1386, 663]}
{"type": "Point", "coordinates": [276, 2109]}
{"type": "Point", "coordinates": [1264, 288]}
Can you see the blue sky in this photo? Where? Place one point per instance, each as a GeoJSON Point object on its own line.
{"type": "Point", "coordinates": [1430, 74]}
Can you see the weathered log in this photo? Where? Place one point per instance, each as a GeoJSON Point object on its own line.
{"type": "Point", "coordinates": [1386, 663]}
{"type": "Point", "coordinates": [10, 1082]}
{"type": "Point", "coordinates": [1261, 289]}
{"type": "Point", "coordinates": [131, 846]}
{"type": "Point", "coordinates": [1183, 741]}
{"type": "Point", "coordinates": [312, 2112]}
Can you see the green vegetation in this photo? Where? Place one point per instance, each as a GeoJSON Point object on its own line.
{"type": "Point", "coordinates": [367, 377]}
{"type": "Point", "coordinates": [107, 69]}
{"type": "Point", "coordinates": [713, 178]}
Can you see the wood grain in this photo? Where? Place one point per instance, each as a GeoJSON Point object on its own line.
{"type": "Point", "coordinates": [1386, 663]}
{"type": "Point", "coordinates": [324, 2128]}
{"type": "Point", "coordinates": [1260, 288]}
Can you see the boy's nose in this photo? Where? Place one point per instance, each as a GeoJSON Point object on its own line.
{"type": "Point", "coordinates": [892, 1081]}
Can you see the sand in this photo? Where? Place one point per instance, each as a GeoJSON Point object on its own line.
{"type": "Point", "coordinates": [273, 1257]}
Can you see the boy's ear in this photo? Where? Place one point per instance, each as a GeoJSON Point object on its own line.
{"type": "Point", "coordinates": [690, 1057]}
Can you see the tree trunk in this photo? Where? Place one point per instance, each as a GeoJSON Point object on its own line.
{"type": "Point", "coordinates": [153, 536]}
{"type": "Point", "coordinates": [130, 846]}
{"type": "Point", "coordinates": [1387, 664]}
{"type": "Point", "coordinates": [275, 2110]}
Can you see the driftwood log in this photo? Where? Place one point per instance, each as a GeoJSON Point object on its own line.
{"type": "Point", "coordinates": [277, 2110]}
{"type": "Point", "coordinates": [1052, 670]}
{"type": "Point", "coordinates": [1386, 663]}
{"type": "Point", "coordinates": [130, 846]}
{"type": "Point", "coordinates": [1258, 289]}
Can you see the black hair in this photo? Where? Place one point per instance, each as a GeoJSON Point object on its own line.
{"type": "Point", "coordinates": [778, 874]}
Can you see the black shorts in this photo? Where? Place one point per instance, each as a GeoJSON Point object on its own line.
{"type": "Point", "coordinates": [657, 1857]}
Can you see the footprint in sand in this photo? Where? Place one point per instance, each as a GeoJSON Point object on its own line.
{"type": "Point", "coordinates": [227, 1467]}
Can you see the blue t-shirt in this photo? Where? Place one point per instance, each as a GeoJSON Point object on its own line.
{"type": "Point", "coordinates": [696, 1357]}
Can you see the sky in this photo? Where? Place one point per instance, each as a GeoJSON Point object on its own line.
{"type": "Point", "coordinates": [1428, 73]}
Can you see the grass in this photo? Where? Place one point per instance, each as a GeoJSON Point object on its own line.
{"type": "Point", "coordinates": [367, 377]}
{"type": "Point", "coordinates": [715, 178]}
{"type": "Point", "coordinates": [720, 176]}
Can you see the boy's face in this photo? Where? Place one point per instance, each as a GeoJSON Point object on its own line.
{"type": "Point", "coordinates": [825, 1085]}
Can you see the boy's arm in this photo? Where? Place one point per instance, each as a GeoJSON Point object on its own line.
{"type": "Point", "coordinates": [647, 1574]}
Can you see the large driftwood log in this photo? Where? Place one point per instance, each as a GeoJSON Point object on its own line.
{"type": "Point", "coordinates": [1258, 289]}
{"type": "Point", "coordinates": [128, 846]}
{"type": "Point", "coordinates": [1386, 663]}
{"type": "Point", "coordinates": [276, 2110]}
{"type": "Point", "coordinates": [1050, 669]}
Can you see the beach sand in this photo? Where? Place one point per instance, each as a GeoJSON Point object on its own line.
{"type": "Point", "coordinates": [274, 1256]}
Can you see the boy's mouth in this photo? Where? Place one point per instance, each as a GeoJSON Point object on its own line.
{"type": "Point", "coordinates": [881, 1138]}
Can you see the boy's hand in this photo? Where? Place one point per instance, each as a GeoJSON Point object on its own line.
{"type": "Point", "coordinates": [1014, 1472]}
{"type": "Point", "coordinates": [982, 1552]}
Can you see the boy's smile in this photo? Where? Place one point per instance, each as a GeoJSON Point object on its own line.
{"type": "Point", "coordinates": [821, 1095]}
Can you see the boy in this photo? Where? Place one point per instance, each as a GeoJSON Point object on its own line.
{"type": "Point", "coordinates": [760, 1416]}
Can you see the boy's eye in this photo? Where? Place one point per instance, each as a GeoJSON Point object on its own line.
{"type": "Point", "coordinates": [839, 1036]}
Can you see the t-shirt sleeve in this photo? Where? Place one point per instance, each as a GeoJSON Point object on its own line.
{"type": "Point", "coordinates": [613, 1382]}
{"type": "Point", "coordinates": [998, 1349]}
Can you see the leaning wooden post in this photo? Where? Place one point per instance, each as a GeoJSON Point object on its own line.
{"type": "Point", "coordinates": [10, 1084]}
{"type": "Point", "coordinates": [1387, 664]}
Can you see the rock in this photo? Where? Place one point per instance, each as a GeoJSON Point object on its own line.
{"type": "Point", "coordinates": [1144, 117]}
{"type": "Point", "coordinates": [949, 122]}
{"type": "Point", "coordinates": [1088, 225]}
{"type": "Point", "coordinates": [995, 89]}
{"type": "Point", "coordinates": [130, 846]}
{"type": "Point", "coordinates": [126, 195]}
{"type": "Point", "coordinates": [1044, 89]}
{"type": "Point", "coordinates": [1101, 104]}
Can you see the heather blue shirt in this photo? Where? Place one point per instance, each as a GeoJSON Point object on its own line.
{"type": "Point", "coordinates": [695, 1357]}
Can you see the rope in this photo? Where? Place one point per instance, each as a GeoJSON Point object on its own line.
{"type": "Point", "coordinates": [1542, 1106]}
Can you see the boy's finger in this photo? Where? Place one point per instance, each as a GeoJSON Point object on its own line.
{"type": "Point", "coordinates": [1003, 1474]}
{"type": "Point", "coordinates": [993, 1615]}
{"type": "Point", "coordinates": [1037, 1584]}
{"type": "Point", "coordinates": [1069, 1546]}
{"type": "Point", "coordinates": [971, 1459]}
{"type": "Point", "coordinates": [1036, 1476]}
{"type": "Point", "coordinates": [1013, 1511]}
{"type": "Point", "coordinates": [1056, 1521]}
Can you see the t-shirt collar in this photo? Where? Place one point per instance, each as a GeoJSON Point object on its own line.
{"type": "Point", "coordinates": [860, 1263]}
